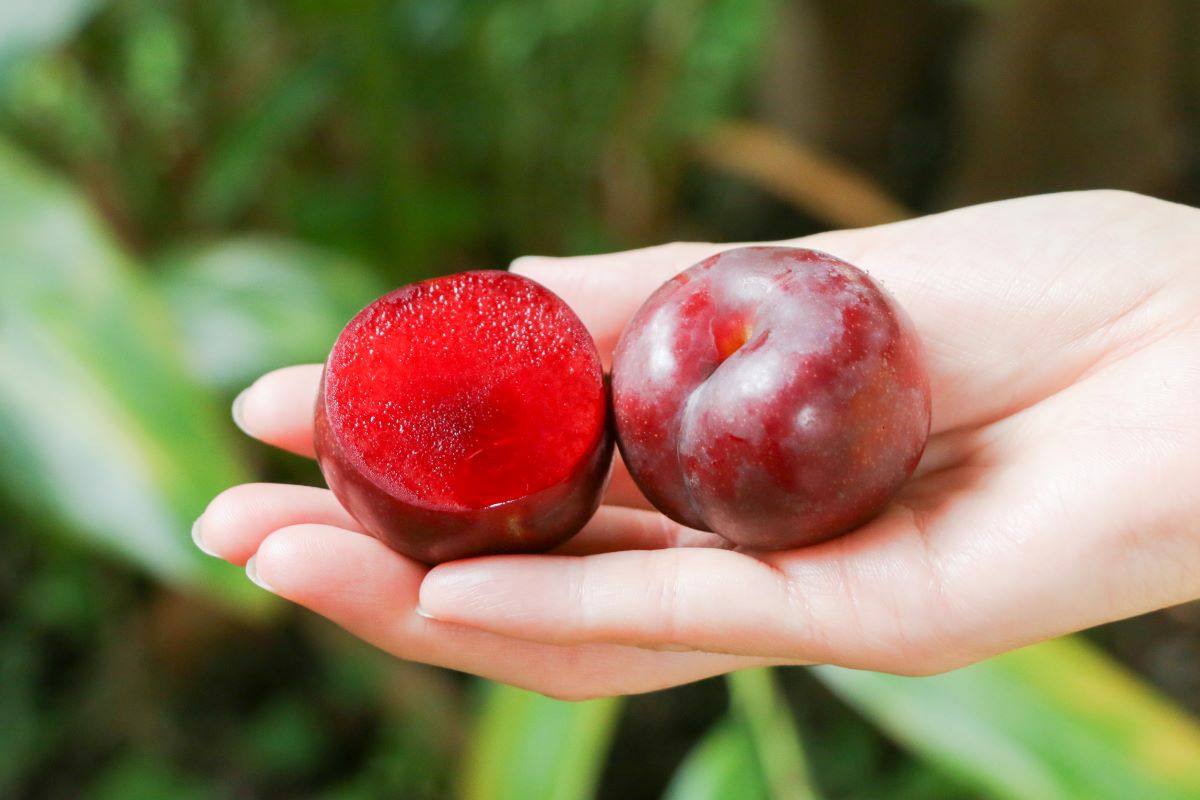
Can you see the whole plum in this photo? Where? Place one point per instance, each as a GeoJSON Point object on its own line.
{"type": "Point", "coordinates": [777, 396]}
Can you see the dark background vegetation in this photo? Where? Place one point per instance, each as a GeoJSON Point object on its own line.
{"type": "Point", "coordinates": [195, 191]}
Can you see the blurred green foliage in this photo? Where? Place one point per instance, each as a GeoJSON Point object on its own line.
{"type": "Point", "coordinates": [28, 26]}
{"type": "Point", "coordinates": [235, 179]}
{"type": "Point", "coordinates": [402, 132]}
{"type": "Point", "coordinates": [252, 304]}
{"type": "Point", "coordinates": [104, 434]}
{"type": "Point", "coordinates": [722, 765]}
{"type": "Point", "coordinates": [526, 745]}
{"type": "Point", "coordinates": [1057, 720]}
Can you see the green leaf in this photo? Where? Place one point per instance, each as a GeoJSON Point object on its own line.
{"type": "Point", "coordinates": [764, 712]}
{"type": "Point", "coordinates": [723, 766]}
{"type": "Point", "coordinates": [529, 747]}
{"type": "Point", "coordinates": [1055, 721]}
{"type": "Point", "coordinates": [103, 435]}
{"type": "Point", "coordinates": [254, 304]}
{"type": "Point", "coordinates": [27, 26]}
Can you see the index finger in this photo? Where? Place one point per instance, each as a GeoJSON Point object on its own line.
{"type": "Point", "coordinates": [1013, 300]}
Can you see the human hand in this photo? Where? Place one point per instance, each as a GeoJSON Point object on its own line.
{"type": "Point", "coordinates": [1058, 490]}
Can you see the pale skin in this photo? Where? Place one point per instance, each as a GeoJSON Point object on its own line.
{"type": "Point", "coordinates": [1060, 488]}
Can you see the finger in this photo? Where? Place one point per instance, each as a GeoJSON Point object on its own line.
{"type": "Point", "coordinates": [616, 528]}
{"type": "Point", "coordinates": [698, 599]}
{"type": "Point", "coordinates": [371, 591]}
{"type": "Point", "coordinates": [238, 519]}
{"type": "Point", "coordinates": [860, 601]}
{"type": "Point", "coordinates": [1011, 299]}
{"type": "Point", "coordinates": [278, 408]}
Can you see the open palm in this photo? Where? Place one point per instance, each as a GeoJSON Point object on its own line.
{"type": "Point", "coordinates": [1058, 490]}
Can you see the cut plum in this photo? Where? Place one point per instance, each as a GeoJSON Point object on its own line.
{"type": "Point", "coordinates": [465, 415]}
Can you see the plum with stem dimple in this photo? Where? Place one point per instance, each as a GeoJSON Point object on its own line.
{"type": "Point", "coordinates": [465, 415]}
{"type": "Point", "coordinates": [775, 395]}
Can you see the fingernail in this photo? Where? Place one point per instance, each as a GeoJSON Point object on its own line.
{"type": "Point", "coordinates": [525, 262]}
{"type": "Point", "coordinates": [252, 574]}
{"type": "Point", "coordinates": [237, 411]}
{"type": "Point", "coordinates": [423, 613]}
{"type": "Point", "coordinates": [198, 540]}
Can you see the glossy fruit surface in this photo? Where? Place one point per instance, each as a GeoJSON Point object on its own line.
{"type": "Point", "coordinates": [465, 415]}
{"type": "Point", "coordinates": [775, 395]}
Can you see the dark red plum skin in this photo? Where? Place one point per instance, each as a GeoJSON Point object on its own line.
{"type": "Point", "coordinates": [432, 535]}
{"type": "Point", "coordinates": [777, 396]}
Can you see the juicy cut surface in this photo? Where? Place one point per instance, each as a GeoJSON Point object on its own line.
{"type": "Point", "coordinates": [466, 391]}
